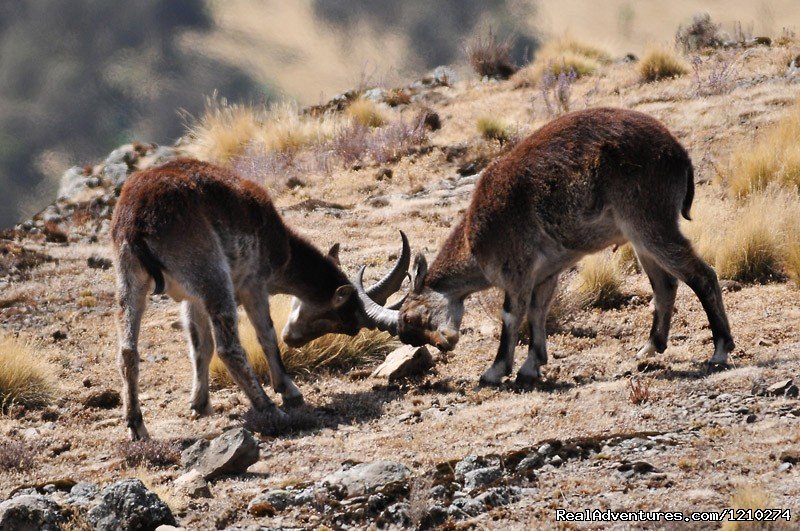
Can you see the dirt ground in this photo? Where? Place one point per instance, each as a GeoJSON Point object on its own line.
{"type": "Point", "coordinates": [719, 437]}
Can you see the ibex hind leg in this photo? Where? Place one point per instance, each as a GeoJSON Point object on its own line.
{"type": "Point", "coordinates": [197, 325]}
{"type": "Point", "coordinates": [665, 287]}
{"type": "Point", "coordinates": [675, 254]}
{"type": "Point", "coordinates": [132, 288]}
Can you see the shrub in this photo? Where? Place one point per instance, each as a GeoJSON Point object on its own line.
{"type": "Point", "coordinates": [557, 91]}
{"type": "Point", "coordinates": [16, 455]}
{"type": "Point", "coordinates": [25, 378]}
{"type": "Point", "coordinates": [701, 33]}
{"type": "Point", "coordinates": [224, 130]}
{"type": "Point", "coordinates": [721, 76]}
{"type": "Point", "coordinates": [599, 281]}
{"type": "Point", "coordinates": [773, 158]}
{"type": "Point", "coordinates": [150, 453]}
{"type": "Point", "coordinates": [661, 63]}
{"type": "Point", "coordinates": [490, 57]}
{"type": "Point", "coordinates": [366, 112]}
{"type": "Point", "coordinates": [333, 352]}
{"type": "Point", "coordinates": [494, 129]}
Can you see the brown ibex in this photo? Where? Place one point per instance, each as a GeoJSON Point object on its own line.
{"type": "Point", "coordinates": [581, 183]}
{"type": "Point", "coordinates": [204, 236]}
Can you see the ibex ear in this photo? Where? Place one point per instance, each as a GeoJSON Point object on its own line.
{"type": "Point", "coordinates": [342, 295]}
{"type": "Point", "coordinates": [420, 270]}
{"type": "Point", "coordinates": [333, 253]}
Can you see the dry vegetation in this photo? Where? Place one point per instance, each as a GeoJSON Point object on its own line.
{"type": "Point", "coordinates": [661, 63]}
{"type": "Point", "coordinates": [599, 280]}
{"type": "Point", "coordinates": [563, 55]}
{"type": "Point", "coordinates": [25, 378]}
{"type": "Point", "coordinates": [333, 352]}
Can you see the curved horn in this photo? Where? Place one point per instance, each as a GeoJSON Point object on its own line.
{"type": "Point", "coordinates": [379, 317]}
{"type": "Point", "coordinates": [391, 283]}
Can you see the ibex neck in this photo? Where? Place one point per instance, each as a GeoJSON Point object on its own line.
{"type": "Point", "coordinates": [308, 274]}
{"type": "Point", "coordinates": [455, 272]}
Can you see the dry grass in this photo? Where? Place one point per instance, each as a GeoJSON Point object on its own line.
{"type": "Point", "coordinates": [752, 498]}
{"type": "Point", "coordinates": [490, 57]}
{"type": "Point", "coordinates": [793, 260]}
{"type": "Point", "coordinates": [564, 55]}
{"type": "Point", "coordinates": [329, 352]}
{"type": "Point", "coordinates": [495, 129]}
{"type": "Point", "coordinates": [661, 63]}
{"type": "Point", "coordinates": [775, 158]}
{"type": "Point", "coordinates": [599, 280]}
{"type": "Point", "coordinates": [25, 378]}
{"type": "Point", "coordinates": [639, 391]}
{"type": "Point", "coordinates": [367, 113]}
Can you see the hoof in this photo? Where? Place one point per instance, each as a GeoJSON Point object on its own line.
{"type": "Point", "coordinates": [138, 434]}
{"type": "Point", "coordinates": [527, 381]}
{"type": "Point", "coordinates": [200, 412]}
{"type": "Point", "coordinates": [486, 382]}
{"type": "Point", "coordinates": [293, 401]}
{"type": "Point", "coordinates": [712, 367]}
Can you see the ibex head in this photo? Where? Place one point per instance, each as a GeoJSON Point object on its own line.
{"type": "Point", "coordinates": [426, 316]}
{"type": "Point", "coordinates": [344, 313]}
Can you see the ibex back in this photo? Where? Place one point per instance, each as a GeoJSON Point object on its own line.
{"type": "Point", "coordinates": [206, 237]}
{"type": "Point", "coordinates": [579, 184]}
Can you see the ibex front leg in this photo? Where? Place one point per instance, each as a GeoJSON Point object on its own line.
{"type": "Point", "coordinates": [256, 304]}
{"type": "Point", "coordinates": [513, 307]}
{"type": "Point", "coordinates": [537, 321]}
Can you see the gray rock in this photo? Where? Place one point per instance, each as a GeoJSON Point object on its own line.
{"type": "Point", "coordinates": [116, 173]}
{"type": "Point", "coordinates": [376, 95]}
{"type": "Point", "coordinates": [779, 387]}
{"type": "Point", "coordinates": [193, 485]}
{"type": "Point", "coordinates": [473, 462]}
{"type": "Point", "coordinates": [230, 453]}
{"type": "Point", "coordinates": [367, 477]}
{"type": "Point", "coordinates": [30, 512]}
{"type": "Point", "coordinates": [279, 499]}
{"type": "Point", "coordinates": [499, 496]}
{"type": "Point", "coordinates": [465, 508]}
{"type": "Point", "coordinates": [73, 181]}
{"type": "Point", "coordinates": [128, 505]}
{"type": "Point", "coordinates": [398, 514]}
{"type": "Point", "coordinates": [556, 461]}
{"type": "Point", "coordinates": [546, 449]}
{"type": "Point", "coordinates": [783, 467]}
{"type": "Point", "coordinates": [530, 462]}
{"type": "Point", "coordinates": [82, 494]}
{"type": "Point", "coordinates": [304, 496]}
{"type": "Point", "coordinates": [483, 476]}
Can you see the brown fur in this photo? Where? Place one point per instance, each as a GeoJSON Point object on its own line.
{"type": "Point", "coordinates": [582, 182]}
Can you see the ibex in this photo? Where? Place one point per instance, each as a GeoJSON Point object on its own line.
{"type": "Point", "coordinates": [204, 236]}
{"type": "Point", "coordinates": [581, 183]}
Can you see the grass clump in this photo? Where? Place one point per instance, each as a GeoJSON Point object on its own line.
{"type": "Point", "coordinates": [332, 352]}
{"type": "Point", "coordinates": [751, 251]}
{"type": "Point", "coordinates": [150, 453]}
{"type": "Point", "coordinates": [490, 57]}
{"type": "Point", "coordinates": [367, 113]}
{"type": "Point", "coordinates": [562, 56]}
{"type": "Point", "coordinates": [661, 63]}
{"type": "Point", "coordinates": [25, 378]}
{"type": "Point", "coordinates": [495, 129]}
{"type": "Point", "coordinates": [599, 280]}
{"type": "Point", "coordinates": [775, 158]}
{"type": "Point", "coordinates": [753, 498]}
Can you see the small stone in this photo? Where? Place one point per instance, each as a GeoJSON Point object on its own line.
{"type": "Point", "coordinates": [230, 453]}
{"type": "Point", "coordinates": [545, 449]}
{"type": "Point", "coordinates": [779, 387]}
{"type": "Point", "coordinates": [59, 335]}
{"type": "Point", "coordinates": [465, 508]}
{"type": "Point", "coordinates": [481, 477]}
{"type": "Point", "coordinates": [556, 461]}
{"type": "Point", "coordinates": [730, 285]}
{"type": "Point", "coordinates": [98, 262]}
{"type": "Point", "coordinates": [365, 478]}
{"type": "Point", "coordinates": [404, 362]}
{"type": "Point", "coordinates": [193, 485]}
{"type": "Point", "coordinates": [397, 514]}
{"type": "Point", "coordinates": [499, 496]}
{"type": "Point", "coordinates": [751, 418]}
{"type": "Point", "coordinates": [278, 499]}
{"type": "Point", "coordinates": [784, 467]}
{"type": "Point", "coordinates": [87, 382]}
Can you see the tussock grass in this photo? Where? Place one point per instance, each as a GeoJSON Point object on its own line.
{"type": "Point", "coordinates": [562, 56]}
{"type": "Point", "coordinates": [793, 261]}
{"type": "Point", "coordinates": [491, 57]}
{"type": "Point", "coordinates": [367, 113]}
{"type": "Point", "coordinates": [753, 498]}
{"type": "Point", "coordinates": [330, 352]}
{"type": "Point", "coordinates": [494, 129]}
{"type": "Point", "coordinates": [775, 158]}
{"type": "Point", "coordinates": [599, 280]}
{"type": "Point", "coordinates": [25, 378]}
{"type": "Point", "coordinates": [661, 63]}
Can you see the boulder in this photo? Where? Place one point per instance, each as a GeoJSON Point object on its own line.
{"type": "Point", "coordinates": [193, 485]}
{"type": "Point", "coordinates": [367, 477]}
{"type": "Point", "coordinates": [128, 505]}
{"type": "Point", "coordinates": [476, 479]}
{"type": "Point", "coordinates": [404, 362]}
{"type": "Point", "coordinates": [31, 512]}
{"type": "Point", "coordinates": [230, 453]}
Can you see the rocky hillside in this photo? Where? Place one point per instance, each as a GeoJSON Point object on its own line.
{"type": "Point", "coordinates": [604, 430]}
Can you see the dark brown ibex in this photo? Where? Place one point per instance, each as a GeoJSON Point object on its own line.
{"type": "Point", "coordinates": [581, 183]}
{"type": "Point", "coordinates": [206, 237]}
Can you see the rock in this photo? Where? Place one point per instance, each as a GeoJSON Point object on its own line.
{"type": "Point", "coordinates": [278, 500]}
{"type": "Point", "coordinates": [98, 262]}
{"type": "Point", "coordinates": [59, 335]}
{"type": "Point", "coordinates": [82, 494]}
{"type": "Point", "coordinates": [499, 496]}
{"type": "Point", "coordinates": [116, 173]}
{"type": "Point", "coordinates": [790, 456]}
{"type": "Point", "coordinates": [545, 449]}
{"type": "Point", "coordinates": [404, 362]}
{"type": "Point", "coordinates": [784, 467]}
{"type": "Point", "coordinates": [31, 512]}
{"type": "Point", "coordinates": [230, 453]}
{"type": "Point", "coordinates": [193, 485]}
{"type": "Point", "coordinates": [779, 387]}
{"type": "Point", "coordinates": [73, 181]}
{"type": "Point", "coordinates": [430, 120]}
{"type": "Point", "coordinates": [105, 399]}
{"type": "Point", "coordinates": [367, 477]}
{"type": "Point", "coordinates": [481, 477]}
{"type": "Point", "coordinates": [376, 95]}
{"type": "Point", "coordinates": [384, 174]}
{"type": "Point", "coordinates": [792, 391]}
{"type": "Point", "coordinates": [472, 462]}
{"type": "Point", "coordinates": [556, 461]}
{"type": "Point", "coordinates": [730, 285]}
{"type": "Point", "coordinates": [530, 462]}
{"type": "Point", "coordinates": [128, 505]}
{"type": "Point", "coordinates": [751, 418]}
{"type": "Point", "coordinates": [465, 508]}
{"type": "Point", "coordinates": [397, 514]}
